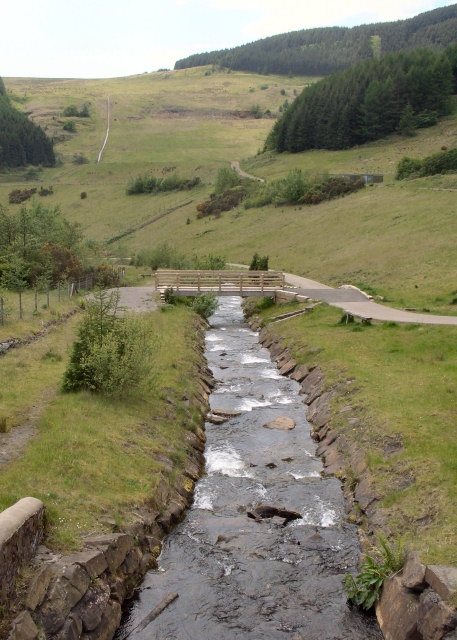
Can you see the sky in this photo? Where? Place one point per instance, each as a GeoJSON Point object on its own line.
{"type": "Point", "coordinates": [110, 38]}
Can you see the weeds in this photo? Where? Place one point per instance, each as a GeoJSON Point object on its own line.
{"type": "Point", "coordinates": [365, 588]}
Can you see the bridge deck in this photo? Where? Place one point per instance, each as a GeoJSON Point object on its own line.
{"type": "Point", "coordinates": [223, 283]}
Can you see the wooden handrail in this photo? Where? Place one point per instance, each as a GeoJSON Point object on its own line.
{"type": "Point", "coordinates": [201, 280]}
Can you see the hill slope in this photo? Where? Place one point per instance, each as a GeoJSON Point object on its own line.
{"type": "Point", "coordinates": [322, 51]}
{"type": "Point", "coordinates": [396, 238]}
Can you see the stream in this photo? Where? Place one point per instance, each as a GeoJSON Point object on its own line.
{"type": "Point", "coordinates": [238, 578]}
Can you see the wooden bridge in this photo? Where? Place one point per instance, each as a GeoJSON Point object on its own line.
{"type": "Point", "coordinates": [222, 283]}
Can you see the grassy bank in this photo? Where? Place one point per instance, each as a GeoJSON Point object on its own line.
{"type": "Point", "coordinates": [95, 461]}
{"type": "Point", "coordinates": [404, 394]}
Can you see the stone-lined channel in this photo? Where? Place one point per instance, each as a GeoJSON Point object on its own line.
{"type": "Point", "coordinates": [238, 578]}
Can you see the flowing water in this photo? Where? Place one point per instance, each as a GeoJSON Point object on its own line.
{"type": "Point", "coordinates": [238, 578]}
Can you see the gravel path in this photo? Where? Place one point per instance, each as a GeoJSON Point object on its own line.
{"type": "Point", "coordinates": [137, 298]}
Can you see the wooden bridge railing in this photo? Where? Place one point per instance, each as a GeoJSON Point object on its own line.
{"type": "Point", "coordinates": [183, 282]}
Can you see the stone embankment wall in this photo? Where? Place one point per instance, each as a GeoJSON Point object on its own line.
{"type": "Point", "coordinates": [415, 603]}
{"type": "Point", "coordinates": [80, 595]}
{"type": "Point", "coordinates": [21, 531]}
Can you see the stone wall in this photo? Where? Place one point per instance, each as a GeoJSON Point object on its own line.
{"type": "Point", "coordinates": [21, 530]}
{"type": "Point", "coordinates": [415, 604]}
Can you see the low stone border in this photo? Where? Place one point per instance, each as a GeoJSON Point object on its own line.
{"type": "Point", "coordinates": [414, 604]}
{"type": "Point", "coordinates": [21, 531]}
{"type": "Point", "coordinates": [81, 595]}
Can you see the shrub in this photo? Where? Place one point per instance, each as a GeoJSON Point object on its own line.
{"type": "Point", "coordinates": [106, 276]}
{"type": "Point", "coordinates": [169, 296]}
{"type": "Point", "coordinates": [111, 354]}
{"type": "Point", "coordinates": [83, 195]}
{"type": "Point", "coordinates": [407, 167]}
{"type": "Point", "coordinates": [440, 162]}
{"type": "Point", "coordinates": [259, 263]}
{"type": "Point", "coordinates": [211, 262]}
{"type": "Point", "coordinates": [216, 204]}
{"type": "Point", "coordinates": [226, 179]}
{"type": "Point", "coordinates": [149, 184]}
{"type": "Point", "coordinates": [45, 191]}
{"type": "Point", "coordinates": [70, 111]}
{"type": "Point", "coordinates": [69, 126]}
{"type": "Point", "coordinates": [205, 304]}
{"type": "Point", "coordinates": [80, 158]}
{"type": "Point", "coordinates": [17, 196]}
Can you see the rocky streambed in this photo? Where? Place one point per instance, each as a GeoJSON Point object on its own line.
{"type": "Point", "coordinates": [263, 549]}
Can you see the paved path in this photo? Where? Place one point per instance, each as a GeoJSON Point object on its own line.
{"type": "Point", "coordinates": [357, 303]}
{"type": "Point", "coordinates": [137, 298]}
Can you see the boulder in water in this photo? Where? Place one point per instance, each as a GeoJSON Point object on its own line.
{"type": "Point", "coordinates": [284, 424]}
{"type": "Point", "coordinates": [263, 511]}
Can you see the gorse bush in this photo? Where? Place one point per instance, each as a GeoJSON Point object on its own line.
{"type": "Point", "coordinates": [112, 354]}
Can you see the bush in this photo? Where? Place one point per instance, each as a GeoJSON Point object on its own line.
{"type": "Point", "coordinates": [106, 276]}
{"type": "Point", "coordinates": [150, 184]}
{"type": "Point", "coordinates": [111, 354]}
{"type": "Point", "coordinates": [169, 296]}
{"type": "Point", "coordinates": [216, 204]}
{"type": "Point", "coordinates": [205, 304]}
{"type": "Point", "coordinates": [17, 196]}
{"type": "Point", "coordinates": [440, 162]}
{"type": "Point", "coordinates": [80, 158]}
{"type": "Point", "coordinates": [407, 167]}
{"type": "Point", "coordinates": [70, 111]}
{"type": "Point", "coordinates": [69, 126]}
{"type": "Point", "coordinates": [83, 195]}
{"type": "Point", "coordinates": [259, 263]}
{"type": "Point", "coordinates": [226, 179]}
{"type": "Point", "coordinates": [45, 191]}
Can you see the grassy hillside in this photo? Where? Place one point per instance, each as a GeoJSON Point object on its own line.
{"type": "Point", "coordinates": [394, 239]}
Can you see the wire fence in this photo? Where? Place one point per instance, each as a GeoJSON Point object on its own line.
{"type": "Point", "coordinates": [20, 305]}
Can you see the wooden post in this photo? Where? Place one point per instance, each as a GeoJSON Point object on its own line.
{"type": "Point", "coordinates": [2, 319]}
{"type": "Point", "coordinates": [283, 280]}
{"type": "Point", "coordinates": [198, 280]}
{"type": "Point", "coordinates": [220, 282]}
{"type": "Point", "coordinates": [261, 282]}
{"type": "Point", "coordinates": [177, 283]}
{"type": "Point", "coordinates": [241, 284]}
{"type": "Point", "coordinates": [36, 299]}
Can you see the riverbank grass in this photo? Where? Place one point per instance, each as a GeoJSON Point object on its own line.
{"type": "Point", "coordinates": [404, 394]}
{"type": "Point", "coordinates": [97, 460]}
